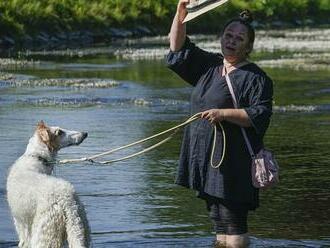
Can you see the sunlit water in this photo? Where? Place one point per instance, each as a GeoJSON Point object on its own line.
{"type": "Point", "coordinates": [135, 203]}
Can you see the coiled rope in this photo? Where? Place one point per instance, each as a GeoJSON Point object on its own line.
{"type": "Point", "coordinates": [174, 129]}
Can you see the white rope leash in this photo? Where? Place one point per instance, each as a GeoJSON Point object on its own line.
{"type": "Point", "coordinates": [173, 130]}
{"type": "Point", "coordinates": [223, 145]}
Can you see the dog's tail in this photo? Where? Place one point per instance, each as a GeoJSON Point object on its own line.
{"type": "Point", "coordinates": [77, 227]}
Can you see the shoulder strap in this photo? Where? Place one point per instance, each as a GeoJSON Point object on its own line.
{"type": "Point", "coordinates": [248, 144]}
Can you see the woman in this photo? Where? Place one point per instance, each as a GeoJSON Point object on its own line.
{"type": "Point", "coordinates": [227, 190]}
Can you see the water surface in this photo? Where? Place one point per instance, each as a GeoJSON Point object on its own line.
{"type": "Point", "coordinates": [135, 203]}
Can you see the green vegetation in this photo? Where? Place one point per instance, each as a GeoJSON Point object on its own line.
{"type": "Point", "coordinates": [19, 17]}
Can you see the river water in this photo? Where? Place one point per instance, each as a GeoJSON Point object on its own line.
{"type": "Point", "coordinates": [135, 203]}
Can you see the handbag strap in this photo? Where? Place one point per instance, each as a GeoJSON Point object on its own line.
{"type": "Point", "coordinates": [230, 86]}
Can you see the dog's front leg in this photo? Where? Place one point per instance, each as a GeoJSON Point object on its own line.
{"type": "Point", "coordinates": [23, 234]}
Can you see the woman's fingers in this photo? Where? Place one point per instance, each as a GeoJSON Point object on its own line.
{"type": "Point", "coordinates": [181, 9]}
{"type": "Point", "coordinates": [212, 115]}
{"type": "Point", "coordinates": [207, 115]}
{"type": "Point", "coordinates": [204, 114]}
{"type": "Point", "coordinates": [182, 4]}
{"type": "Point", "coordinates": [184, 1]}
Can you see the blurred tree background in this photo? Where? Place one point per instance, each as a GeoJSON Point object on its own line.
{"type": "Point", "coordinates": [19, 17]}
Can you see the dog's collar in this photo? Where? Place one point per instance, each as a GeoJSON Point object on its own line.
{"type": "Point", "coordinates": [44, 161]}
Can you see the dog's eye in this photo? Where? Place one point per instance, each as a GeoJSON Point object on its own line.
{"type": "Point", "coordinates": [59, 132]}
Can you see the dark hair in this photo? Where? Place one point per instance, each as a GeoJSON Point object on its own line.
{"type": "Point", "coordinates": [246, 19]}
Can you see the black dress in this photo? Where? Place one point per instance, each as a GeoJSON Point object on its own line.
{"type": "Point", "coordinates": [230, 182]}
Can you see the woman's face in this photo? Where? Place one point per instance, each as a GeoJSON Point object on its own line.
{"type": "Point", "coordinates": [235, 43]}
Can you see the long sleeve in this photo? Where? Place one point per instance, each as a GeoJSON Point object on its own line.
{"type": "Point", "coordinates": [191, 62]}
{"type": "Point", "coordinates": [259, 97]}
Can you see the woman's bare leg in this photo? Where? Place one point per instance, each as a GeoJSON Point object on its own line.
{"type": "Point", "coordinates": [237, 241]}
{"type": "Point", "coordinates": [220, 241]}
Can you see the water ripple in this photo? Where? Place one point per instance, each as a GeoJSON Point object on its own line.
{"type": "Point", "coordinates": [162, 242]}
{"type": "Point", "coordinates": [306, 64]}
{"type": "Point", "coordinates": [142, 102]}
{"type": "Point", "coordinates": [4, 77]}
{"type": "Point", "coordinates": [93, 67]}
{"type": "Point", "coordinates": [64, 82]}
{"type": "Point", "coordinates": [193, 242]}
{"type": "Point", "coordinates": [17, 63]}
{"type": "Point", "coordinates": [109, 194]}
{"type": "Point", "coordinates": [57, 101]}
{"type": "Point", "coordinates": [142, 53]}
{"type": "Point", "coordinates": [85, 102]}
{"type": "Point", "coordinates": [303, 108]}
{"type": "Point", "coordinates": [256, 242]}
{"type": "Point", "coordinates": [4, 244]}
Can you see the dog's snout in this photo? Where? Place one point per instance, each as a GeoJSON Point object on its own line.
{"type": "Point", "coordinates": [81, 138]}
{"type": "Point", "coordinates": [85, 134]}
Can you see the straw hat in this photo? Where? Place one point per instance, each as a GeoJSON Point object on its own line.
{"type": "Point", "coordinates": [202, 8]}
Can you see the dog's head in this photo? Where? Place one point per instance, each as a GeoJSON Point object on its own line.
{"type": "Point", "coordinates": [56, 138]}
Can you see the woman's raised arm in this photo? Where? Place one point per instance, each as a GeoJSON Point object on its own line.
{"type": "Point", "coordinates": [177, 34]}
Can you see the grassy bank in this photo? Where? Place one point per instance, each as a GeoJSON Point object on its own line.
{"type": "Point", "coordinates": [19, 18]}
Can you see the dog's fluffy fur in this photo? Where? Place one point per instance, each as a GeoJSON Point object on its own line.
{"type": "Point", "coordinates": [46, 210]}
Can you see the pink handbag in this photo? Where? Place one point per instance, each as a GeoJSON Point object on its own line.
{"type": "Point", "coordinates": [264, 169]}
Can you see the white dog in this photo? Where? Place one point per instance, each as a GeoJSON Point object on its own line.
{"type": "Point", "coordinates": [46, 210]}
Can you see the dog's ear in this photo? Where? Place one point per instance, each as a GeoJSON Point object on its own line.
{"type": "Point", "coordinates": [41, 124]}
{"type": "Point", "coordinates": [46, 136]}
{"type": "Point", "coordinates": [44, 133]}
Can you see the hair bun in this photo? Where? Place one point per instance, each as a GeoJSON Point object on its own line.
{"type": "Point", "coordinates": [246, 16]}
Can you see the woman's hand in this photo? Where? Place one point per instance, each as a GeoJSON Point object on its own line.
{"type": "Point", "coordinates": [181, 9]}
{"type": "Point", "coordinates": [236, 116]}
{"type": "Point", "coordinates": [214, 115]}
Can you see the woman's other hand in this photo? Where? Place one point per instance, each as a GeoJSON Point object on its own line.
{"type": "Point", "coordinates": [214, 115]}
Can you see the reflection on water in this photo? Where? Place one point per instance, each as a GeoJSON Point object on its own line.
{"type": "Point", "coordinates": [135, 203]}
